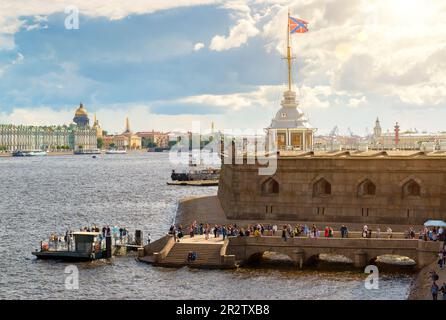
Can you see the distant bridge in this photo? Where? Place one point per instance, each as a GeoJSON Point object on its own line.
{"type": "Point", "coordinates": [362, 251]}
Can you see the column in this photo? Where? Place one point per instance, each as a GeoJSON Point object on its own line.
{"type": "Point", "coordinates": [304, 142]}
{"type": "Point", "coordinates": [299, 258]}
{"type": "Point", "coordinates": [360, 260]}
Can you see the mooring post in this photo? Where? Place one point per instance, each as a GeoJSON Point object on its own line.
{"type": "Point", "coordinates": [140, 252]}
{"type": "Point", "coordinates": [108, 247]}
{"type": "Point", "coordinates": [138, 237]}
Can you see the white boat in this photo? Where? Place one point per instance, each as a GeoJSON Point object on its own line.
{"type": "Point", "coordinates": [37, 153]}
{"type": "Point", "coordinates": [116, 151]}
{"type": "Point", "coordinates": [28, 153]}
{"type": "Point", "coordinates": [87, 151]}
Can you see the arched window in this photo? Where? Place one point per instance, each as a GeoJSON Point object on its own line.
{"type": "Point", "coordinates": [366, 188]}
{"type": "Point", "coordinates": [411, 188]}
{"type": "Point", "coordinates": [321, 188]}
{"type": "Point", "coordinates": [270, 186]}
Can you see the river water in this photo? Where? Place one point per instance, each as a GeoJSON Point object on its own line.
{"type": "Point", "coordinates": [42, 195]}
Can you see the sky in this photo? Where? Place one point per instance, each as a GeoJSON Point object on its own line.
{"type": "Point", "coordinates": [167, 63]}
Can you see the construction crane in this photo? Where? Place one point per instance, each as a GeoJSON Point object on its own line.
{"type": "Point", "coordinates": [350, 132]}
{"type": "Point", "coordinates": [334, 132]}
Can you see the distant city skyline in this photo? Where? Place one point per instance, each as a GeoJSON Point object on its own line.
{"type": "Point", "coordinates": [166, 64]}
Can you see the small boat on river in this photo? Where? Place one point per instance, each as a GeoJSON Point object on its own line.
{"type": "Point", "coordinates": [87, 151]}
{"type": "Point", "coordinates": [196, 175]}
{"type": "Point", "coordinates": [84, 247]}
{"type": "Point", "coordinates": [28, 153]}
{"type": "Point", "coordinates": [114, 151]}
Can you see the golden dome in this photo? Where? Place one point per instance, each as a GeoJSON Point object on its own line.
{"type": "Point", "coordinates": [81, 111]}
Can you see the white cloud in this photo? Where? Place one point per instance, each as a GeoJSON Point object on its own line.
{"type": "Point", "coordinates": [18, 59]}
{"type": "Point", "coordinates": [7, 42]}
{"type": "Point", "coordinates": [262, 97]}
{"type": "Point", "coordinates": [354, 50]}
{"type": "Point", "coordinates": [37, 116]}
{"type": "Point", "coordinates": [198, 46]}
{"type": "Point", "coordinates": [238, 35]}
{"type": "Point", "coordinates": [113, 120]}
{"type": "Point", "coordinates": [380, 48]}
{"type": "Point", "coordinates": [12, 11]}
{"type": "Point", "coordinates": [244, 28]}
{"type": "Point", "coordinates": [355, 102]}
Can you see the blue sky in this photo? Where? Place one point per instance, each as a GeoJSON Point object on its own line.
{"type": "Point", "coordinates": [166, 64]}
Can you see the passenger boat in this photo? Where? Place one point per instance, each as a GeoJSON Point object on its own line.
{"type": "Point", "coordinates": [87, 151]}
{"type": "Point", "coordinates": [86, 246]}
{"type": "Point", "coordinates": [114, 151]}
{"type": "Point", "coordinates": [194, 175]}
{"type": "Point", "coordinates": [28, 153]}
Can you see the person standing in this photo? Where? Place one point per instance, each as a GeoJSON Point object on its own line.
{"type": "Point", "coordinates": [364, 232]}
{"type": "Point", "coordinates": [314, 231]}
{"type": "Point", "coordinates": [284, 237]}
{"type": "Point", "coordinates": [389, 233]}
{"type": "Point", "coordinates": [434, 291]}
{"type": "Point", "coordinates": [443, 290]}
{"type": "Point", "coordinates": [206, 232]}
{"type": "Point", "coordinates": [149, 238]}
{"type": "Point", "coordinates": [440, 260]}
{"type": "Point", "coordinates": [342, 231]}
{"type": "Point", "coordinates": [215, 231]}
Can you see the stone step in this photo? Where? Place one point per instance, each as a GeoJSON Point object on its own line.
{"type": "Point", "coordinates": [206, 253]}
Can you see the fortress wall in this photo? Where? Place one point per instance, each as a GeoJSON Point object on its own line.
{"type": "Point", "coordinates": [240, 190]}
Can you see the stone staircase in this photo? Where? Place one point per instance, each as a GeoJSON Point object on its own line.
{"type": "Point", "coordinates": [168, 253]}
{"type": "Point", "coordinates": [207, 254]}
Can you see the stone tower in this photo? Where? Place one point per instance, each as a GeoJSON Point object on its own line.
{"type": "Point", "coordinates": [127, 125]}
{"type": "Point", "coordinates": [377, 131]}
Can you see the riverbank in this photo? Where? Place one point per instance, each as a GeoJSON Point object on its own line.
{"type": "Point", "coordinates": [64, 153]}
{"type": "Point", "coordinates": [421, 286]}
{"type": "Point", "coordinates": [69, 153]}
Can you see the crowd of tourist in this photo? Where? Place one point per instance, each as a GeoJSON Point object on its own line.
{"type": "Point", "coordinates": [430, 234]}
{"type": "Point", "coordinates": [66, 241]}
{"type": "Point", "coordinates": [435, 288]}
{"type": "Point", "coordinates": [299, 230]}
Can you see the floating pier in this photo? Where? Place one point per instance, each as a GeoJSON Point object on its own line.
{"type": "Point", "coordinates": [87, 246]}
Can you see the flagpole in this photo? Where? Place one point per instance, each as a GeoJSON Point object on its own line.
{"type": "Point", "coordinates": [289, 52]}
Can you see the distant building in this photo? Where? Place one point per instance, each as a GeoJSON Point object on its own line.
{"type": "Point", "coordinates": [154, 139]}
{"type": "Point", "coordinates": [51, 138]}
{"type": "Point", "coordinates": [125, 140]}
{"type": "Point", "coordinates": [405, 140]}
{"type": "Point", "coordinates": [377, 131]}
{"type": "Point", "coordinates": [81, 117]}
{"type": "Point", "coordinates": [97, 127]}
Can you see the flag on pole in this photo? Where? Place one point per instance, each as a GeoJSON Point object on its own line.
{"type": "Point", "coordinates": [298, 25]}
